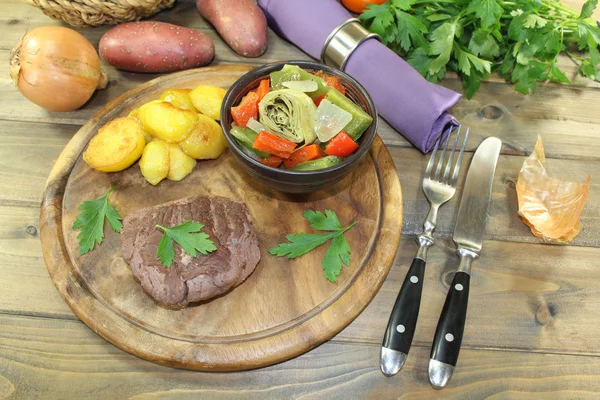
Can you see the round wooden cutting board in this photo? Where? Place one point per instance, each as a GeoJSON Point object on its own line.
{"type": "Point", "coordinates": [284, 308]}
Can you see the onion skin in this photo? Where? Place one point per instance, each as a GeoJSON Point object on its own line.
{"type": "Point", "coordinates": [56, 68]}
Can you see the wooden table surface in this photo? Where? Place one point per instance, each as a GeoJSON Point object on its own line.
{"type": "Point", "coordinates": [533, 322]}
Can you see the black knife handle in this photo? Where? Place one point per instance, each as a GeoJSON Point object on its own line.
{"type": "Point", "coordinates": [449, 331]}
{"type": "Point", "coordinates": [403, 320]}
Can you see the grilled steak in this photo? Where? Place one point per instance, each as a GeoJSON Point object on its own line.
{"type": "Point", "coordinates": [229, 225]}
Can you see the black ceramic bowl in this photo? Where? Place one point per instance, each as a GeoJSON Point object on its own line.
{"type": "Point", "coordinates": [297, 181]}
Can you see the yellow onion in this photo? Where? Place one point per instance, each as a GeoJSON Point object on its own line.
{"type": "Point", "coordinates": [57, 68]}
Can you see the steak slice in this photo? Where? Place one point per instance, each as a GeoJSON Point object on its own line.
{"type": "Point", "coordinates": [191, 279]}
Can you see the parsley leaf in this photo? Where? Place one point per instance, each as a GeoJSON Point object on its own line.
{"type": "Point", "coordinates": [588, 9]}
{"type": "Point", "coordinates": [301, 243]}
{"type": "Point", "coordinates": [488, 11]}
{"type": "Point", "coordinates": [441, 45]}
{"type": "Point", "coordinates": [323, 222]}
{"type": "Point", "coordinates": [403, 4]}
{"type": "Point", "coordinates": [420, 61]}
{"type": "Point", "coordinates": [410, 31]}
{"type": "Point", "coordinates": [186, 235]}
{"type": "Point", "coordinates": [521, 40]}
{"type": "Point", "coordinates": [337, 253]}
{"type": "Point", "coordinates": [483, 44]}
{"type": "Point", "coordinates": [91, 222]}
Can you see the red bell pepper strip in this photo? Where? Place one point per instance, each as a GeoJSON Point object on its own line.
{"type": "Point", "coordinates": [341, 145]}
{"type": "Point", "coordinates": [263, 88]}
{"type": "Point", "coordinates": [272, 144]}
{"type": "Point", "coordinates": [248, 108]}
{"type": "Point", "coordinates": [271, 161]}
{"type": "Point", "coordinates": [306, 153]}
{"type": "Point", "coordinates": [332, 81]}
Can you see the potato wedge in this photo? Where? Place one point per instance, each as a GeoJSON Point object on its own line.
{"type": "Point", "coordinates": [207, 99]}
{"type": "Point", "coordinates": [180, 164]}
{"type": "Point", "coordinates": [167, 122]}
{"type": "Point", "coordinates": [116, 146]}
{"type": "Point", "coordinates": [179, 98]}
{"type": "Point", "coordinates": [154, 163]}
{"type": "Point", "coordinates": [206, 140]}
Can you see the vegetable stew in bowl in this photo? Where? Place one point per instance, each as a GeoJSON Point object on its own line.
{"type": "Point", "coordinates": [299, 125]}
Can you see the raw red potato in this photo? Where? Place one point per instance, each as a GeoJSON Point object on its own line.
{"type": "Point", "coordinates": [241, 23]}
{"type": "Point", "coordinates": [151, 46]}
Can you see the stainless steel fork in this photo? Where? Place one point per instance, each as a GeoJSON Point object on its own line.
{"type": "Point", "coordinates": [439, 187]}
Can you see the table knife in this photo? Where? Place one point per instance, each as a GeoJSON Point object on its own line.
{"type": "Point", "coordinates": [468, 236]}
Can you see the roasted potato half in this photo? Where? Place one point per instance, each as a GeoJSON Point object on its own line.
{"type": "Point", "coordinates": [180, 164]}
{"type": "Point", "coordinates": [116, 146]}
{"type": "Point", "coordinates": [207, 99]}
{"type": "Point", "coordinates": [179, 98]}
{"type": "Point", "coordinates": [206, 140]}
{"type": "Point", "coordinates": [166, 122]}
{"type": "Point", "coordinates": [135, 113]}
{"type": "Point", "coordinates": [155, 161]}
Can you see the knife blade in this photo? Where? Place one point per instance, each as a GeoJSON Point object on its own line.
{"type": "Point", "coordinates": [468, 236]}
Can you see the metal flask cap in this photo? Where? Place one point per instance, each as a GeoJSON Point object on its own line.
{"type": "Point", "coordinates": [342, 41]}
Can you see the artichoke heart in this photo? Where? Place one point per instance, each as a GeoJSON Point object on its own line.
{"type": "Point", "coordinates": [289, 114]}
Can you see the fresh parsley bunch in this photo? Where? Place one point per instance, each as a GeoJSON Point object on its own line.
{"type": "Point", "coordinates": [519, 39]}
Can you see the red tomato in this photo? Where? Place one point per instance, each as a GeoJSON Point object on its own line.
{"type": "Point", "coordinates": [359, 6]}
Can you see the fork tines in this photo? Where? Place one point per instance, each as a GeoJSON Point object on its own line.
{"type": "Point", "coordinates": [446, 138]}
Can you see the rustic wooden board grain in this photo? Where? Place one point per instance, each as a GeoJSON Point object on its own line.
{"type": "Point", "coordinates": [49, 358]}
{"type": "Point", "coordinates": [28, 151]}
{"type": "Point", "coordinates": [525, 296]}
{"type": "Point", "coordinates": [283, 309]}
{"type": "Point", "coordinates": [59, 353]}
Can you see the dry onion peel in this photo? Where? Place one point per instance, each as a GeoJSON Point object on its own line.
{"type": "Point", "coordinates": [550, 207]}
{"type": "Point", "coordinates": [56, 68]}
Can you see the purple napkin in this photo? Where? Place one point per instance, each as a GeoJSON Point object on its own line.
{"type": "Point", "coordinates": [418, 109]}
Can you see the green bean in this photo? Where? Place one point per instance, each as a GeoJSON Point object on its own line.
{"type": "Point", "coordinates": [245, 137]}
{"type": "Point", "coordinates": [320, 163]}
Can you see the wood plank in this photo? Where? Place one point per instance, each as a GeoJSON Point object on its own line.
{"type": "Point", "coordinates": [496, 109]}
{"type": "Point", "coordinates": [524, 296]}
{"type": "Point", "coordinates": [28, 287]}
{"type": "Point", "coordinates": [63, 359]}
{"type": "Point", "coordinates": [26, 157]}
{"type": "Point", "coordinates": [503, 222]}
{"type": "Point", "coordinates": [20, 17]}
{"type": "Point", "coordinates": [27, 153]}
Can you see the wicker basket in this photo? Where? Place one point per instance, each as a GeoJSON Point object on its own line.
{"type": "Point", "coordinates": [84, 13]}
